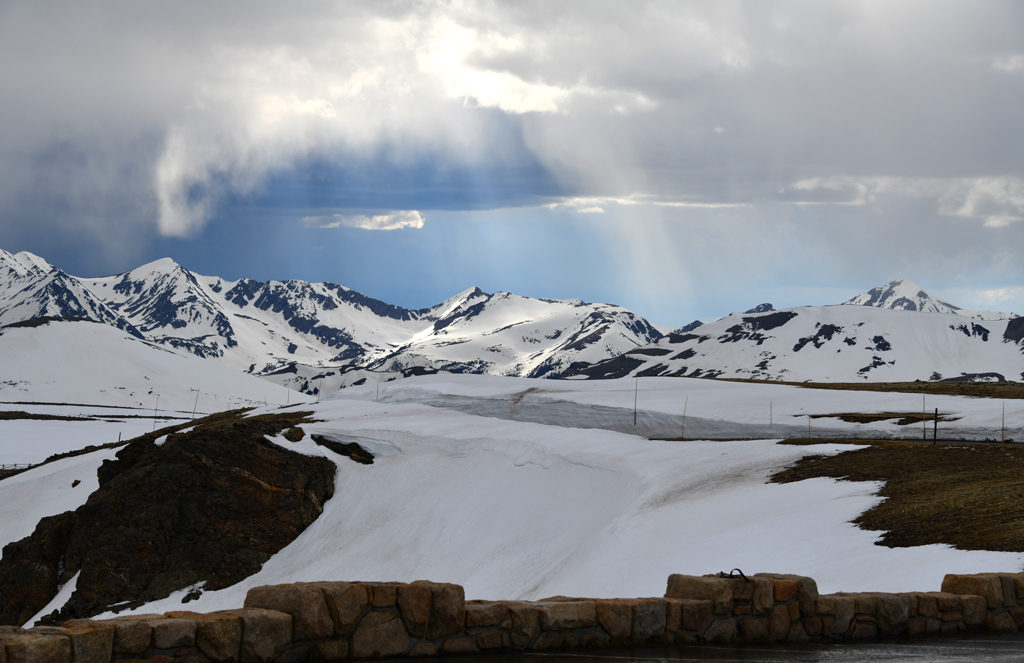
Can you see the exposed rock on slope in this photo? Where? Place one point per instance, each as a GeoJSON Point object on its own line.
{"type": "Point", "coordinates": [206, 506]}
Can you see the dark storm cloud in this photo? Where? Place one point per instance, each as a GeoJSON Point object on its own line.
{"type": "Point", "coordinates": [148, 119]}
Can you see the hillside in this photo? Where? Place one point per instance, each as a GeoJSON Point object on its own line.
{"type": "Point", "coordinates": [881, 336]}
{"type": "Point", "coordinates": [309, 336]}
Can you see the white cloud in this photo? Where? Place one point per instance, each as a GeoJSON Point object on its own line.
{"type": "Point", "coordinates": [1009, 64]}
{"type": "Point", "coordinates": [598, 204]}
{"type": "Point", "coordinates": [388, 221]}
{"type": "Point", "coordinates": [996, 201]}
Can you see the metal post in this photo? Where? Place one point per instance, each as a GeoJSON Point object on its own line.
{"type": "Point", "coordinates": [196, 404]}
{"type": "Point", "coordinates": [1003, 437]}
{"type": "Point", "coordinates": [935, 430]}
{"type": "Point", "coordinates": [155, 408]}
{"type": "Point", "coordinates": [924, 420]}
{"type": "Point", "coordinates": [808, 426]}
{"type": "Point", "coordinates": [682, 432]}
{"type": "Point", "coordinates": [636, 392]}
{"type": "Point", "coordinates": [771, 419]}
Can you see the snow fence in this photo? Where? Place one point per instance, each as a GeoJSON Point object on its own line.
{"type": "Point", "coordinates": [324, 621]}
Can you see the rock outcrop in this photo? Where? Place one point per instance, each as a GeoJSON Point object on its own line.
{"type": "Point", "coordinates": [202, 510]}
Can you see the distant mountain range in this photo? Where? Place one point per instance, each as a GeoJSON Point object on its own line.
{"type": "Point", "coordinates": [318, 337]}
{"type": "Point", "coordinates": [322, 336]}
{"type": "Point", "coordinates": [896, 332]}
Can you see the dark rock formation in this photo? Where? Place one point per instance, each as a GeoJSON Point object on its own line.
{"type": "Point", "coordinates": [210, 505]}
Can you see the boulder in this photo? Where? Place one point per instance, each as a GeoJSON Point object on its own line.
{"type": "Point", "coordinates": [414, 604]}
{"type": "Point", "coordinates": [93, 643]}
{"type": "Point", "coordinates": [615, 617]}
{"type": "Point", "coordinates": [447, 608]}
{"type": "Point", "coordinates": [525, 623]}
{"type": "Point", "coordinates": [218, 636]}
{"type": "Point", "coordinates": [487, 613]}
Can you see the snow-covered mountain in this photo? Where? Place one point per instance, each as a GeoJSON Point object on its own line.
{"type": "Point", "coordinates": [320, 336]}
{"type": "Point", "coordinates": [893, 333]}
{"type": "Point", "coordinates": [906, 295]}
{"type": "Point", "coordinates": [78, 361]}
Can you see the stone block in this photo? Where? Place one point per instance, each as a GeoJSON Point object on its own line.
{"type": "Point", "coordinates": [863, 628]}
{"type": "Point", "coordinates": [424, 648]}
{"type": "Point", "coordinates": [173, 633]}
{"type": "Point", "coordinates": [649, 619]}
{"type": "Point", "coordinates": [265, 633]}
{"type": "Point", "coordinates": [92, 643]}
{"type": "Point", "coordinates": [763, 595]}
{"type": "Point", "coordinates": [459, 644]}
{"type": "Point", "coordinates": [932, 625]}
{"type": "Point", "coordinates": [806, 591]}
{"type": "Point", "coordinates": [346, 603]}
{"type": "Point", "coordinates": [712, 588]}
{"type": "Point", "coordinates": [218, 636]}
{"type": "Point", "coordinates": [753, 630]}
{"type": "Point", "coordinates": [785, 590]}
{"type": "Point", "coordinates": [917, 626]}
{"type": "Point", "coordinates": [1009, 590]}
{"type": "Point", "coordinates": [845, 608]}
{"type": "Point", "coordinates": [334, 649]}
{"type": "Point", "coordinates": [673, 615]}
{"type": "Point", "coordinates": [487, 613]}
{"type": "Point", "coordinates": [615, 617]}
{"type": "Point", "coordinates": [556, 640]}
{"type": "Point", "coordinates": [722, 630]}
{"type": "Point", "coordinates": [893, 613]}
{"type": "Point", "coordinates": [447, 608]}
{"type": "Point", "coordinates": [305, 602]}
{"type": "Point", "coordinates": [797, 633]}
{"type": "Point", "coordinates": [131, 636]}
{"type": "Point", "coordinates": [31, 647]}
{"type": "Point", "coordinates": [525, 623]}
{"type": "Point", "coordinates": [794, 611]}
{"type": "Point", "coordinates": [567, 615]}
{"type": "Point", "coordinates": [489, 640]}
{"type": "Point", "coordinates": [813, 626]}
{"type": "Point", "coordinates": [696, 615]}
{"type": "Point", "coordinates": [866, 603]}
{"type": "Point", "coordinates": [987, 585]}
{"type": "Point", "coordinates": [1000, 622]}
{"type": "Point", "coordinates": [384, 594]}
{"type": "Point", "coordinates": [974, 609]}
{"type": "Point", "coordinates": [927, 605]}
{"type": "Point", "coordinates": [778, 622]}
{"type": "Point", "coordinates": [380, 634]}
{"type": "Point", "coordinates": [1018, 586]}
{"type": "Point", "coordinates": [1017, 612]}
{"type": "Point", "coordinates": [414, 604]}
{"type": "Point", "coordinates": [950, 602]}
{"type": "Point", "coordinates": [826, 604]}
{"type": "Point", "coordinates": [594, 638]}
{"type": "Point", "coordinates": [742, 609]}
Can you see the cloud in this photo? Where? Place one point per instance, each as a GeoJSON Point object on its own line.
{"type": "Point", "coordinates": [1009, 64]}
{"type": "Point", "coordinates": [598, 204]}
{"type": "Point", "coordinates": [996, 201]}
{"type": "Point", "coordinates": [387, 221]}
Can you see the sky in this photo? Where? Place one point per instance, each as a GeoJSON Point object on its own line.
{"type": "Point", "coordinates": [682, 159]}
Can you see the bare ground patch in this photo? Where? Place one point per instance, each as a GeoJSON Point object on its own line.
{"type": "Point", "coordinates": [970, 496]}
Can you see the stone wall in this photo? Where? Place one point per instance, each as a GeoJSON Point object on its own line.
{"type": "Point", "coordinates": [324, 621]}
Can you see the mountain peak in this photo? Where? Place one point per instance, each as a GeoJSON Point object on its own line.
{"type": "Point", "coordinates": [903, 295]}
{"type": "Point", "coordinates": [23, 263]}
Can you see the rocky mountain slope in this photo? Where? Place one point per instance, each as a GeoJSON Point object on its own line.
{"type": "Point", "coordinates": [896, 332]}
{"type": "Point", "coordinates": [314, 336]}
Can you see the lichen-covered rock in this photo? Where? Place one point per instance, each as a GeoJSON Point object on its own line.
{"type": "Point", "coordinates": [487, 613]}
{"type": "Point", "coordinates": [91, 643]}
{"type": "Point", "coordinates": [131, 636]}
{"type": "Point", "coordinates": [173, 633]}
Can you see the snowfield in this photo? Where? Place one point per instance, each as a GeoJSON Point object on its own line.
{"type": "Point", "coordinates": [522, 510]}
